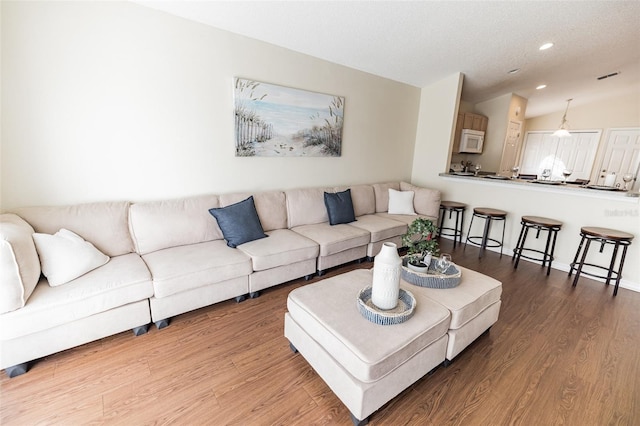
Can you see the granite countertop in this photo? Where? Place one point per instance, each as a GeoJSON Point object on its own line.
{"type": "Point", "coordinates": [551, 186]}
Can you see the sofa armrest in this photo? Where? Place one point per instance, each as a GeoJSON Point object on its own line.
{"type": "Point", "coordinates": [19, 262]}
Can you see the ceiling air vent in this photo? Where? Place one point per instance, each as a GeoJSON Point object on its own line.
{"type": "Point", "coordinates": [602, 77]}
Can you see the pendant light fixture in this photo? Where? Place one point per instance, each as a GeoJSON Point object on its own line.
{"type": "Point", "coordinates": [563, 131]}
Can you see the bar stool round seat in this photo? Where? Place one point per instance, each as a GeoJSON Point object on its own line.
{"type": "Point", "coordinates": [489, 215]}
{"type": "Point", "coordinates": [540, 224]}
{"type": "Point", "coordinates": [452, 207]}
{"type": "Point", "coordinates": [603, 236]}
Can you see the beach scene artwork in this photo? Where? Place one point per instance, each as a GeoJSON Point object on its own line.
{"type": "Point", "coordinates": [278, 121]}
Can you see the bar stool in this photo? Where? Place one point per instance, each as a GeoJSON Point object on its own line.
{"type": "Point", "coordinates": [602, 236]}
{"type": "Point", "coordinates": [489, 215]}
{"type": "Point", "coordinates": [458, 209]}
{"type": "Point", "coordinates": [539, 224]}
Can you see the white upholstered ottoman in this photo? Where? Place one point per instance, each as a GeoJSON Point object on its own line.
{"type": "Point", "coordinates": [474, 305]}
{"type": "Point", "coordinates": [363, 363]}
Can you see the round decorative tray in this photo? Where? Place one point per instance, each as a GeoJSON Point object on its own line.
{"type": "Point", "coordinates": [402, 312]}
{"type": "Point", "coordinates": [432, 279]}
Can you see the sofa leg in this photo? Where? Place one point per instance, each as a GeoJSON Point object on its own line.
{"type": "Point", "coordinates": [308, 277]}
{"type": "Point", "coordinates": [16, 370]}
{"type": "Point", "coordinates": [293, 348]}
{"type": "Point", "coordinates": [370, 258]}
{"type": "Point", "coordinates": [254, 294]}
{"type": "Point", "coordinates": [357, 422]}
{"type": "Point", "coordinates": [321, 273]}
{"type": "Point", "coordinates": [241, 298]}
{"type": "Point", "coordinates": [162, 323]}
{"type": "Point", "coordinates": [447, 362]}
{"type": "Point", "coordinates": [139, 331]}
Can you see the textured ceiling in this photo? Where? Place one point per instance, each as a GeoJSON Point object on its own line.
{"type": "Point", "coordinates": [421, 42]}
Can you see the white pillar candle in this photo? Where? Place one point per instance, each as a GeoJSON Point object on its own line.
{"type": "Point", "coordinates": [610, 179]}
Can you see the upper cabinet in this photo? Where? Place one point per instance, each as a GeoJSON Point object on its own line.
{"type": "Point", "coordinates": [468, 120]}
{"type": "Point", "coordinates": [474, 121]}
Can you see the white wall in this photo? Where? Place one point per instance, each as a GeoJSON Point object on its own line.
{"type": "Point", "coordinates": [497, 110]}
{"type": "Point", "coordinates": [113, 100]}
{"type": "Point", "coordinates": [439, 105]}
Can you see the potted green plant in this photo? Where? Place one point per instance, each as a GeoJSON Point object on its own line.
{"type": "Point", "coordinates": [421, 244]}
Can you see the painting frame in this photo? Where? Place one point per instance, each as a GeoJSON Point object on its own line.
{"type": "Point", "coordinates": [272, 120]}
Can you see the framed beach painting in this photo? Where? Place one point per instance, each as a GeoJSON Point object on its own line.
{"type": "Point", "coordinates": [278, 121]}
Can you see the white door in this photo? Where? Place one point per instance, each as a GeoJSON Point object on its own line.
{"type": "Point", "coordinates": [577, 153]}
{"type": "Point", "coordinates": [511, 147]}
{"type": "Point", "coordinates": [621, 155]}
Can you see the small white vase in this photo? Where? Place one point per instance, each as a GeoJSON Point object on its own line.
{"type": "Point", "coordinates": [386, 277]}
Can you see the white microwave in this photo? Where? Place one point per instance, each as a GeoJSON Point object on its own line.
{"type": "Point", "coordinates": [471, 141]}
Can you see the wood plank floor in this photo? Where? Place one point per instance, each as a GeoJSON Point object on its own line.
{"type": "Point", "coordinates": [557, 355]}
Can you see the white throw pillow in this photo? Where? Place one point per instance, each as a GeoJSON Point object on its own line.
{"type": "Point", "coordinates": [401, 202]}
{"type": "Point", "coordinates": [65, 256]}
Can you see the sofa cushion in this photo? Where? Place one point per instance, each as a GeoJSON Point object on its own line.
{"type": "Point", "coordinates": [105, 224]}
{"type": "Point", "coordinates": [306, 206]}
{"type": "Point", "coordinates": [125, 279]}
{"type": "Point", "coordinates": [401, 202]}
{"type": "Point", "coordinates": [283, 247]}
{"type": "Point", "coordinates": [339, 207]}
{"type": "Point", "coordinates": [19, 263]}
{"type": "Point", "coordinates": [381, 228]}
{"type": "Point", "coordinates": [363, 198]}
{"type": "Point", "coordinates": [239, 222]}
{"type": "Point", "coordinates": [426, 201]}
{"type": "Point", "coordinates": [381, 191]}
{"type": "Point", "coordinates": [475, 293]}
{"type": "Point", "coordinates": [334, 239]}
{"type": "Point", "coordinates": [270, 205]}
{"type": "Point", "coordinates": [158, 225]}
{"type": "Point", "coordinates": [181, 268]}
{"type": "Point", "coordinates": [64, 256]}
{"type": "Point", "coordinates": [405, 218]}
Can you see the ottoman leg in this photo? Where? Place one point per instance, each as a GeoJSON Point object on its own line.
{"type": "Point", "coordinates": [358, 422]}
{"type": "Point", "coordinates": [293, 348]}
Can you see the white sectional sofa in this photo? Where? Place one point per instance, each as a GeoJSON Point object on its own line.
{"type": "Point", "coordinates": [169, 257]}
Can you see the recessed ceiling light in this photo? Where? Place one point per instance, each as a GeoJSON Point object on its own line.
{"type": "Point", "coordinates": [513, 71]}
{"type": "Point", "coordinates": [546, 46]}
{"type": "Point", "coordinates": [542, 86]}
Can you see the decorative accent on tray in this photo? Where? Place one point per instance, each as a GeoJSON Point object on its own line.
{"type": "Point", "coordinates": [421, 244]}
{"type": "Point", "coordinates": [434, 278]}
{"type": "Point", "coordinates": [405, 306]}
{"type": "Point", "coordinates": [386, 277]}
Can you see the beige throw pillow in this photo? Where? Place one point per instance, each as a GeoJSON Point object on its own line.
{"type": "Point", "coordinates": [65, 256]}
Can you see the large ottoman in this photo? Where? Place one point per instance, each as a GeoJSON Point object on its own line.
{"type": "Point", "coordinates": [474, 305]}
{"type": "Point", "coordinates": [364, 364]}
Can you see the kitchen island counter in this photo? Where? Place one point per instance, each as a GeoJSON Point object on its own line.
{"type": "Point", "coordinates": [530, 185]}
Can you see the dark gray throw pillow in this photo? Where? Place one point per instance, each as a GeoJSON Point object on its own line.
{"type": "Point", "coordinates": [339, 207]}
{"type": "Point", "coordinates": [239, 222]}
